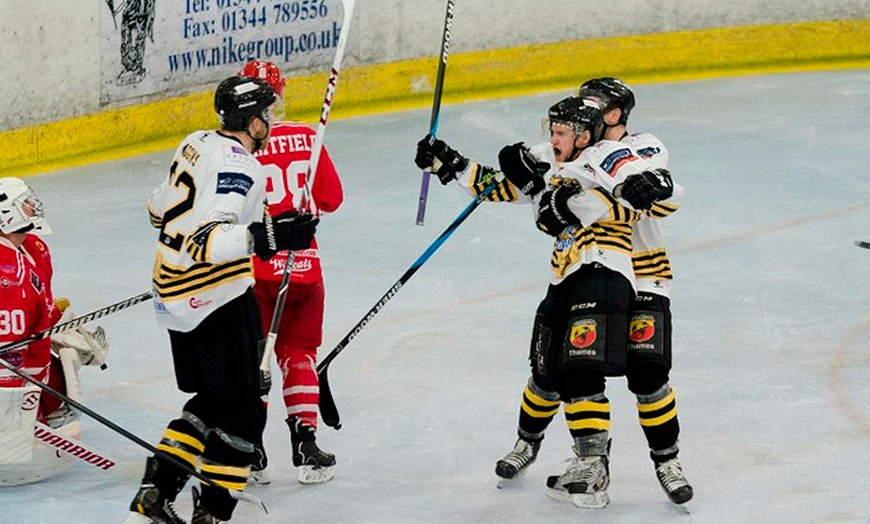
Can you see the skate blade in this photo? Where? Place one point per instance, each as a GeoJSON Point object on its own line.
{"type": "Point", "coordinates": [137, 518]}
{"type": "Point", "coordinates": [560, 495]}
{"type": "Point", "coordinates": [312, 475]}
{"type": "Point", "coordinates": [259, 479]}
{"type": "Point", "coordinates": [597, 500]}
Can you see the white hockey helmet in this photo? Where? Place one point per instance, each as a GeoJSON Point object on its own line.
{"type": "Point", "coordinates": [20, 208]}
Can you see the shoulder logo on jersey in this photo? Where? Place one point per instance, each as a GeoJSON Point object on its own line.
{"type": "Point", "coordinates": [642, 328]}
{"type": "Point", "coordinates": [649, 152]}
{"type": "Point", "coordinates": [583, 333]}
{"type": "Point", "coordinates": [235, 155]}
{"type": "Point", "coordinates": [35, 281]}
{"type": "Point", "coordinates": [616, 159]}
{"type": "Point", "coordinates": [234, 183]}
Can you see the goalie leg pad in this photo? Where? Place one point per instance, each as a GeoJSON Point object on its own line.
{"type": "Point", "coordinates": [18, 408]}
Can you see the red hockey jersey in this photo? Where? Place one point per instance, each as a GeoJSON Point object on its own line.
{"type": "Point", "coordinates": [285, 162]}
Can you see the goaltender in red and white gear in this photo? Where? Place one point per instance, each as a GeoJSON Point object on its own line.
{"type": "Point", "coordinates": [27, 307]}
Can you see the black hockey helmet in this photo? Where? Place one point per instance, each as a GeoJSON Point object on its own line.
{"type": "Point", "coordinates": [237, 99]}
{"type": "Point", "coordinates": [613, 92]}
{"type": "Point", "coordinates": [580, 113]}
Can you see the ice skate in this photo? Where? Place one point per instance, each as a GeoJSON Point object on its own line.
{"type": "Point", "coordinates": [584, 483]}
{"type": "Point", "coordinates": [515, 464]}
{"type": "Point", "coordinates": [314, 465]}
{"type": "Point", "coordinates": [200, 514]}
{"type": "Point", "coordinates": [259, 475]}
{"type": "Point", "coordinates": [673, 482]}
{"type": "Point", "coordinates": [149, 506]}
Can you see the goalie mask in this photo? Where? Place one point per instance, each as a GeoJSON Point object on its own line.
{"type": "Point", "coordinates": [20, 208]}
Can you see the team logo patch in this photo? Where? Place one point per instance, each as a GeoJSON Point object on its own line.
{"type": "Point", "coordinates": [583, 333]}
{"type": "Point", "coordinates": [16, 358]}
{"type": "Point", "coordinates": [233, 183]}
{"type": "Point", "coordinates": [649, 152]}
{"type": "Point", "coordinates": [615, 160]}
{"type": "Point", "coordinates": [35, 282]}
{"type": "Point", "coordinates": [642, 328]}
{"type": "Point", "coordinates": [30, 401]}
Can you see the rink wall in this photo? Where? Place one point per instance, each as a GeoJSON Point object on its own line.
{"type": "Point", "coordinates": [391, 64]}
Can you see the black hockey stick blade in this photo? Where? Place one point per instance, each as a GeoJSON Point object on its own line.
{"type": "Point", "coordinates": [328, 409]}
{"type": "Point", "coordinates": [863, 243]}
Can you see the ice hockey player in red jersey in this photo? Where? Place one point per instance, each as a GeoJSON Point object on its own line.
{"type": "Point", "coordinates": [300, 333]}
{"type": "Point", "coordinates": [27, 306]}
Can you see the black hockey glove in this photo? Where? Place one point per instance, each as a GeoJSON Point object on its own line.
{"type": "Point", "coordinates": [645, 189]}
{"type": "Point", "coordinates": [553, 212]}
{"type": "Point", "coordinates": [438, 158]}
{"type": "Point", "coordinates": [522, 169]}
{"type": "Point", "coordinates": [291, 230]}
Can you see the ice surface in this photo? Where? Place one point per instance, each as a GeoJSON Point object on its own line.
{"type": "Point", "coordinates": [771, 309]}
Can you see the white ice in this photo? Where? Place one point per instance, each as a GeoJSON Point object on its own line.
{"type": "Point", "coordinates": [771, 309]}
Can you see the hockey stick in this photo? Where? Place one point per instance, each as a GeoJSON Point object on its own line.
{"type": "Point", "coordinates": [328, 409]}
{"type": "Point", "coordinates": [81, 451]}
{"type": "Point", "coordinates": [238, 495]}
{"type": "Point", "coordinates": [436, 106]}
{"type": "Point", "coordinates": [316, 148]}
{"type": "Point", "coordinates": [863, 243]}
{"type": "Point", "coordinates": [78, 321]}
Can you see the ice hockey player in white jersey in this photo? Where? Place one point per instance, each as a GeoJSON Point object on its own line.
{"type": "Point", "coordinates": [649, 355]}
{"type": "Point", "coordinates": [210, 216]}
{"type": "Point", "coordinates": [581, 327]}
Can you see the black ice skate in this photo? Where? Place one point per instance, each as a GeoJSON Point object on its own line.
{"type": "Point", "coordinates": [672, 480]}
{"type": "Point", "coordinates": [314, 465]}
{"type": "Point", "coordinates": [515, 464]}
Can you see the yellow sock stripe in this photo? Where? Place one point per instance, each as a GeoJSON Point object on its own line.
{"type": "Point", "coordinates": [184, 438]}
{"type": "Point", "coordinates": [532, 412]}
{"type": "Point", "coordinates": [185, 456]}
{"type": "Point", "coordinates": [589, 423]}
{"type": "Point", "coordinates": [221, 469]}
{"type": "Point", "coordinates": [659, 404]}
{"type": "Point", "coordinates": [237, 486]}
{"type": "Point", "coordinates": [541, 400]}
{"type": "Point", "coordinates": [658, 421]}
{"type": "Point", "coordinates": [586, 405]}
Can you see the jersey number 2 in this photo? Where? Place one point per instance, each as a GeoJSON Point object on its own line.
{"type": "Point", "coordinates": [184, 178]}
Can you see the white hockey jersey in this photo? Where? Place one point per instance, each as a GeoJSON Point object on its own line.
{"type": "Point", "coordinates": [606, 231]}
{"type": "Point", "coordinates": [652, 267]}
{"type": "Point", "coordinates": [214, 190]}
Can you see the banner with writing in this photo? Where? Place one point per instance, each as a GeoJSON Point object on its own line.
{"type": "Point", "coordinates": [149, 46]}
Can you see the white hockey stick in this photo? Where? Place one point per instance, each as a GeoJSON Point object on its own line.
{"type": "Point", "coordinates": [316, 148]}
{"type": "Point", "coordinates": [863, 243]}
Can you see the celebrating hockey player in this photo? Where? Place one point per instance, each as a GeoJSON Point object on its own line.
{"type": "Point", "coordinates": [581, 327]}
{"type": "Point", "coordinates": [649, 345]}
{"type": "Point", "coordinates": [300, 332]}
{"type": "Point", "coordinates": [27, 306]}
{"type": "Point", "coordinates": [649, 349]}
{"type": "Point", "coordinates": [210, 214]}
